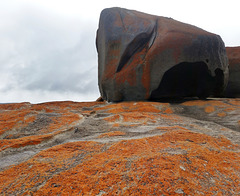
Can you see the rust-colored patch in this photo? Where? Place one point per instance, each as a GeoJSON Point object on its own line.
{"type": "Point", "coordinates": [132, 125]}
{"type": "Point", "coordinates": [235, 102]}
{"type": "Point", "coordinates": [229, 109]}
{"type": "Point", "coordinates": [198, 103]}
{"type": "Point", "coordinates": [172, 118]}
{"type": "Point", "coordinates": [25, 141]}
{"type": "Point", "coordinates": [112, 118]}
{"type": "Point", "coordinates": [10, 119]}
{"type": "Point", "coordinates": [177, 161]}
{"type": "Point", "coordinates": [49, 118]}
{"type": "Point", "coordinates": [137, 117]}
{"type": "Point", "coordinates": [219, 104]}
{"type": "Point", "coordinates": [195, 103]}
{"type": "Point", "coordinates": [42, 167]}
{"type": "Point", "coordinates": [112, 134]}
{"type": "Point", "coordinates": [130, 106]}
{"type": "Point", "coordinates": [128, 73]}
{"type": "Point", "coordinates": [116, 125]}
{"type": "Point", "coordinates": [215, 110]}
{"type": "Point", "coordinates": [222, 114]}
{"type": "Point", "coordinates": [15, 106]}
{"type": "Point", "coordinates": [168, 111]}
{"type": "Point", "coordinates": [209, 109]}
{"type": "Point", "coordinates": [172, 128]}
{"type": "Point", "coordinates": [135, 112]}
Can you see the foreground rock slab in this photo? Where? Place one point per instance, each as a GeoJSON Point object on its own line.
{"type": "Point", "coordinates": [138, 148]}
{"type": "Point", "coordinates": [142, 57]}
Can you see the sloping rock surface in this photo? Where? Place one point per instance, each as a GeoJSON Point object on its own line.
{"type": "Point", "coordinates": [142, 57]}
{"type": "Point", "coordinates": [129, 148]}
{"type": "Point", "coordinates": [233, 87]}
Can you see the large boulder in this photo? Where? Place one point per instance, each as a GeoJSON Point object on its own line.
{"type": "Point", "coordinates": [142, 57]}
{"type": "Point", "coordinates": [233, 87]}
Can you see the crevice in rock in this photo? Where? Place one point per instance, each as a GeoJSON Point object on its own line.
{"type": "Point", "coordinates": [137, 44]}
{"type": "Point", "coordinates": [154, 34]}
{"type": "Point", "coordinates": [121, 17]}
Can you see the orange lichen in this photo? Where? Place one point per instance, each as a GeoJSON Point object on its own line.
{"type": "Point", "coordinates": [135, 112]}
{"type": "Point", "coordinates": [195, 103]}
{"type": "Point", "coordinates": [222, 114]}
{"type": "Point", "coordinates": [130, 106]}
{"type": "Point", "coordinates": [172, 128]}
{"type": "Point", "coordinates": [229, 109]}
{"type": "Point", "coordinates": [209, 109]}
{"type": "Point", "coordinates": [24, 141]}
{"type": "Point", "coordinates": [14, 106]}
{"type": "Point", "coordinates": [137, 117]}
{"type": "Point", "coordinates": [112, 118]}
{"type": "Point", "coordinates": [116, 125]}
{"type": "Point", "coordinates": [112, 134]}
{"type": "Point", "coordinates": [10, 119]}
{"type": "Point", "coordinates": [168, 111]}
{"type": "Point", "coordinates": [171, 118]}
{"type": "Point", "coordinates": [177, 161]}
{"type": "Point", "coordinates": [215, 108]}
{"type": "Point", "coordinates": [235, 102]}
{"type": "Point", "coordinates": [43, 166]}
{"type": "Point", "coordinates": [62, 121]}
{"type": "Point", "coordinates": [132, 125]}
{"type": "Point", "coordinates": [58, 116]}
{"type": "Point", "coordinates": [200, 103]}
{"type": "Point", "coordinates": [128, 73]}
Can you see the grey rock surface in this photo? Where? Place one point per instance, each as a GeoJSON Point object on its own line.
{"type": "Point", "coordinates": [233, 87]}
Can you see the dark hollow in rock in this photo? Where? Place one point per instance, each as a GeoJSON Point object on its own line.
{"type": "Point", "coordinates": [188, 80]}
{"type": "Point", "coordinates": [142, 57]}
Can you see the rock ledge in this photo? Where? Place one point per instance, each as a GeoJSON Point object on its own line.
{"type": "Point", "coordinates": [96, 148]}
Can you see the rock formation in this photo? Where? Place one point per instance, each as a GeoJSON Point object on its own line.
{"type": "Point", "coordinates": [128, 148]}
{"type": "Point", "coordinates": [233, 87]}
{"type": "Point", "coordinates": [142, 57]}
{"type": "Point", "coordinates": [133, 148]}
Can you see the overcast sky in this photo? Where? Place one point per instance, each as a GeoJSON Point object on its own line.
{"type": "Point", "coordinates": [47, 47]}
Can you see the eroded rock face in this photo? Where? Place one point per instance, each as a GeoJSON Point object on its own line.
{"type": "Point", "coordinates": [143, 57]}
{"type": "Point", "coordinates": [129, 148]}
{"type": "Point", "coordinates": [233, 87]}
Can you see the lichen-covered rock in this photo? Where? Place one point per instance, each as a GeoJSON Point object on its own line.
{"type": "Point", "coordinates": [142, 57]}
{"type": "Point", "coordinates": [233, 87]}
{"type": "Point", "coordinates": [129, 148]}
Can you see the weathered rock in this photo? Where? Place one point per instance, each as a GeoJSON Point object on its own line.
{"type": "Point", "coordinates": [233, 87]}
{"type": "Point", "coordinates": [129, 148]}
{"type": "Point", "coordinates": [142, 57]}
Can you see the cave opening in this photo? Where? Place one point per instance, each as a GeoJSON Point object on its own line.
{"type": "Point", "coordinates": [188, 80]}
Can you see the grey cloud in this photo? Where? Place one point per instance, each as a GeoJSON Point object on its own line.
{"type": "Point", "coordinates": [49, 53]}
